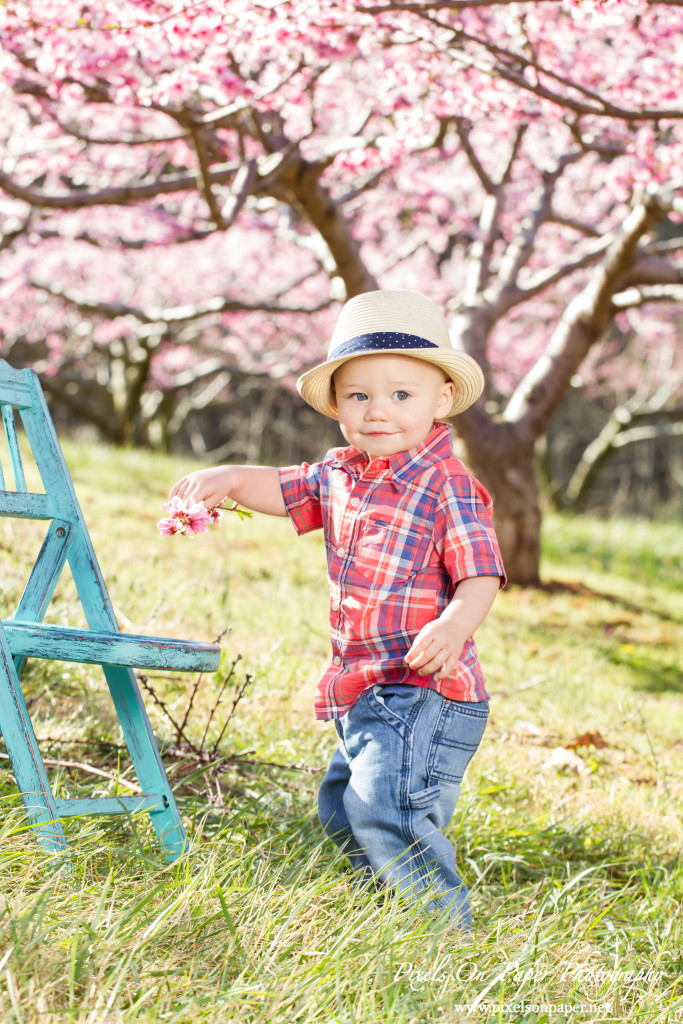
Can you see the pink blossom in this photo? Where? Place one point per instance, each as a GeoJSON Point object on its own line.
{"type": "Point", "coordinates": [167, 527]}
{"type": "Point", "coordinates": [194, 518]}
{"type": "Point", "coordinates": [185, 519]}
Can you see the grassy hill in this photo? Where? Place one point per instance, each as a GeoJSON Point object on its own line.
{"type": "Point", "coordinates": [568, 830]}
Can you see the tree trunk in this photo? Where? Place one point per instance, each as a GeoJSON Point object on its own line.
{"type": "Point", "coordinates": [505, 465]}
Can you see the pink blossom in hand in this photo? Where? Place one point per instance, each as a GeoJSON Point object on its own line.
{"type": "Point", "coordinates": [194, 518]}
{"type": "Point", "coordinates": [185, 519]}
{"type": "Point", "coordinates": [167, 527]}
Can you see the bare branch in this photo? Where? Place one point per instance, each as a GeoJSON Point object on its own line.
{"type": "Point", "coordinates": [479, 264]}
{"type": "Point", "coordinates": [634, 297]}
{"type": "Point", "coordinates": [462, 128]}
{"type": "Point", "coordinates": [75, 399]}
{"type": "Point", "coordinates": [14, 230]}
{"type": "Point", "coordinates": [667, 245]}
{"type": "Point", "coordinates": [520, 249]}
{"type": "Point", "coordinates": [242, 187]}
{"type": "Point", "coordinates": [546, 278]}
{"type": "Point", "coordinates": [176, 315]}
{"type": "Point", "coordinates": [125, 243]}
{"type": "Point", "coordinates": [576, 225]}
{"type": "Point", "coordinates": [205, 171]}
{"type": "Point", "coordinates": [582, 324]}
{"type": "Point", "coordinates": [655, 430]}
{"type": "Point", "coordinates": [115, 195]}
{"type": "Point", "coordinates": [514, 151]}
{"type": "Point", "coordinates": [131, 140]}
{"type": "Point", "coordinates": [512, 66]}
{"type": "Point", "coordinates": [618, 432]}
{"type": "Point", "coordinates": [363, 187]}
{"type": "Point", "coordinates": [420, 6]}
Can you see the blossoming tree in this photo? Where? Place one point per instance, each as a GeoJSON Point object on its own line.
{"type": "Point", "coordinates": [189, 188]}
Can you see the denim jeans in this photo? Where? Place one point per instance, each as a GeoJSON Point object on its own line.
{"type": "Point", "coordinates": [392, 786]}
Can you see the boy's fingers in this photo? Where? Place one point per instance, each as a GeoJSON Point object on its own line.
{"type": "Point", "coordinates": [421, 647]}
{"type": "Point", "coordinates": [416, 658]}
{"type": "Point", "coordinates": [443, 672]}
{"type": "Point", "coordinates": [428, 663]}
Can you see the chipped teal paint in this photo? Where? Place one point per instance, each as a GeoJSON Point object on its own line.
{"type": "Point", "coordinates": [26, 635]}
{"type": "Point", "coordinates": [65, 643]}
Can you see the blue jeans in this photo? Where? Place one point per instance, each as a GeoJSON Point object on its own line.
{"type": "Point", "coordinates": [393, 784]}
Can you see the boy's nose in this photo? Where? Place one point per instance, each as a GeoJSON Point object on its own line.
{"type": "Point", "coordinates": [376, 409]}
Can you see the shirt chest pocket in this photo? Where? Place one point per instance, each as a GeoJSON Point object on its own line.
{"type": "Point", "coordinates": [388, 553]}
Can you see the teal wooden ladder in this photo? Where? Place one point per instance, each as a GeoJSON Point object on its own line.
{"type": "Point", "coordinates": [26, 635]}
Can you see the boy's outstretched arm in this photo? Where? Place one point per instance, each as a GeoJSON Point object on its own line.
{"type": "Point", "coordinates": [255, 487]}
{"type": "Point", "coordinates": [438, 646]}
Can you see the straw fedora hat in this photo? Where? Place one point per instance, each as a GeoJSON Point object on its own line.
{"type": "Point", "coordinates": [392, 323]}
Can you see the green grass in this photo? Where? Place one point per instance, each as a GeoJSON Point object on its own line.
{"type": "Point", "coordinates": [576, 874]}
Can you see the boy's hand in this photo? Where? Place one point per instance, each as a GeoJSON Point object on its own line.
{"type": "Point", "coordinates": [254, 487]}
{"type": "Point", "coordinates": [436, 649]}
{"type": "Point", "coordinates": [208, 485]}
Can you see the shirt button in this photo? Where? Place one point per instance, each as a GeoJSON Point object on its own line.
{"type": "Point", "coordinates": [336, 660]}
{"type": "Point", "coordinates": [355, 502]}
{"type": "Point", "coordinates": [335, 604]}
{"type": "Point", "coordinates": [341, 552]}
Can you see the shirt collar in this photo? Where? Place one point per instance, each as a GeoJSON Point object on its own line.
{"type": "Point", "coordinates": [404, 466]}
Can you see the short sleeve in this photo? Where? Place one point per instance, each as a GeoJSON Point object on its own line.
{"type": "Point", "coordinates": [463, 531]}
{"type": "Point", "coordinates": [300, 487]}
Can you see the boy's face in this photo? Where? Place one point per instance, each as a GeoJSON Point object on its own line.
{"type": "Point", "coordinates": [387, 403]}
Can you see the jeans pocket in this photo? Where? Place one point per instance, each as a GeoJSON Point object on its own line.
{"type": "Point", "coordinates": [456, 738]}
{"type": "Point", "coordinates": [425, 797]}
{"type": "Point", "coordinates": [399, 704]}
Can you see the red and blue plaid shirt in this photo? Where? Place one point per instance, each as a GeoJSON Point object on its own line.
{"type": "Point", "coordinates": [400, 534]}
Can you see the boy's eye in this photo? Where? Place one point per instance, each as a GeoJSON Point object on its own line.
{"type": "Point", "coordinates": [401, 395]}
{"type": "Point", "coordinates": [358, 396]}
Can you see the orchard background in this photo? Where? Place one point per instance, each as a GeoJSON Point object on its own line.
{"type": "Point", "coordinates": [190, 190]}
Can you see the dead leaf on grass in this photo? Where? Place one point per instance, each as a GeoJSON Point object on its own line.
{"type": "Point", "coordinates": [588, 739]}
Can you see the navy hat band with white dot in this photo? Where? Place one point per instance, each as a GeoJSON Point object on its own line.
{"type": "Point", "coordinates": [377, 341]}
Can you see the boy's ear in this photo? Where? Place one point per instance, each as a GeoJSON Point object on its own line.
{"type": "Point", "coordinates": [447, 396]}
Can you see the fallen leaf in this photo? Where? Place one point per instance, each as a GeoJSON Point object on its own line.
{"type": "Point", "coordinates": [588, 739]}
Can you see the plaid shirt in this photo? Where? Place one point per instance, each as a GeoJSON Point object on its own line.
{"type": "Point", "coordinates": [400, 534]}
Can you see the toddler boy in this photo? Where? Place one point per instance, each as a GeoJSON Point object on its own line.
{"type": "Point", "coordinates": [413, 566]}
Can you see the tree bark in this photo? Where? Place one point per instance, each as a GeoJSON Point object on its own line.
{"type": "Point", "coordinates": [505, 465]}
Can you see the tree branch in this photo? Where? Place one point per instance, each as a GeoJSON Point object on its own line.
{"type": "Point", "coordinates": [15, 229]}
{"type": "Point", "coordinates": [582, 324]}
{"type": "Point", "coordinates": [462, 128]}
{"type": "Point", "coordinates": [205, 172]}
{"type": "Point", "coordinates": [612, 436]}
{"type": "Point", "coordinates": [115, 195]}
{"type": "Point", "coordinates": [633, 297]}
{"type": "Point", "coordinates": [576, 225]}
{"type": "Point", "coordinates": [546, 278]}
{"type": "Point", "coordinates": [649, 433]}
{"type": "Point", "coordinates": [511, 66]}
{"type": "Point", "coordinates": [174, 315]}
{"type": "Point", "coordinates": [522, 246]}
{"type": "Point", "coordinates": [125, 243]}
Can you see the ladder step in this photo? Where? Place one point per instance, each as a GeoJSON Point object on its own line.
{"type": "Point", "coordinates": [25, 505]}
{"type": "Point", "coordinates": [73, 808]}
{"type": "Point", "coordinates": [67, 643]}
